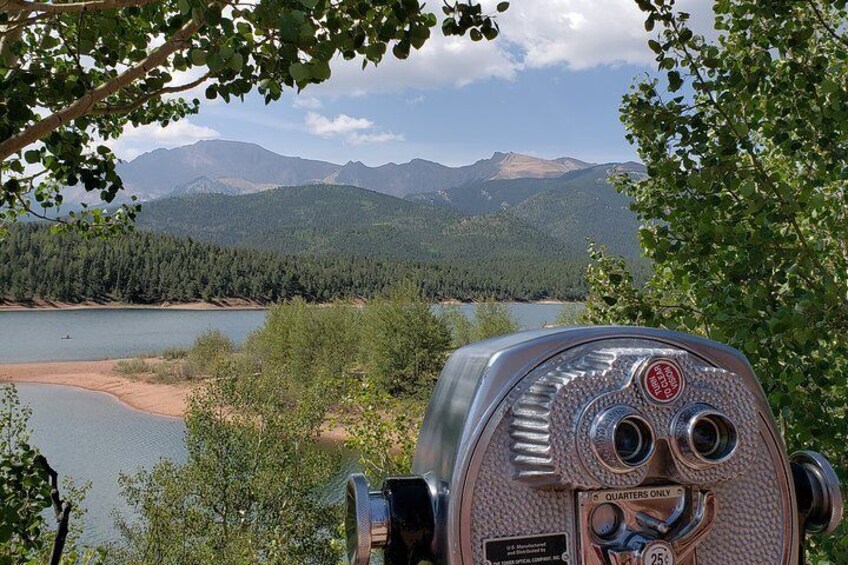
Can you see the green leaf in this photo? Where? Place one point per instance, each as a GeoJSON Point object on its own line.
{"type": "Point", "coordinates": [299, 72]}
{"type": "Point", "coordinates": [320, 70]}
{"type": "Point", "coordinates": [290, 24]}
{"type": "Point", "coordinates": [401, 50]}
{"type": "Point", "coordinates": [50, 41]}
{"type": "Point", "coordinates": [674, 81]}
{"type": "Point", "coordinates": [198, 57]}
{"type": "Point", "coordinates": [32, 157]}
{"type": "Point", "coordinates": [418, 36]}
{"type": "Point", "coordinates": [746, 189]}
{"type": "Point", "coordinates": [225, 53]}
{"type": "Point", "coordinates": [236, 61]}
{"type": "Point", "coordinates": [503, 6]}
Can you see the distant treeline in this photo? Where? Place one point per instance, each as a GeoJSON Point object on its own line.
{"type": "Point", "coordinates": [147, 268]}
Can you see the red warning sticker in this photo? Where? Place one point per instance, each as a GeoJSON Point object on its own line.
{"type": "Point", "coordinates": [662, 381]}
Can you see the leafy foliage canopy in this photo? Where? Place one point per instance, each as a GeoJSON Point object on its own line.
{"type": "Point", "coordinates": [744, 215]}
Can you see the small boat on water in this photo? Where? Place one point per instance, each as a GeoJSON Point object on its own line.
{"type": "Point", "coordinates": [66, 336]}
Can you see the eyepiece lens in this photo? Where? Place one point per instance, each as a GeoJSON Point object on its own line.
{"type": "Point", "coordinates": [632, 441]}
{"type": "Point", "coordinates": [713, 437]}
{"type": "Point", "coordinates": [705, 437]}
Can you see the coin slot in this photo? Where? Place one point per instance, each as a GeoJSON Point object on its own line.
{"type": "Point", "coordinates": [606, 521]}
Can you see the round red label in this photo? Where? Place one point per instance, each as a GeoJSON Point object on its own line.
{"type": "Point", "coordinates": [662, 381]}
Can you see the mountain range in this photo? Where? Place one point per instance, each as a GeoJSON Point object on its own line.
{"type": "Point", "coordinates": [232, 167]}
{"type": "Point", "coordinates": [506, 207]}
{"type": "Point", "coordinates": [487, 210]}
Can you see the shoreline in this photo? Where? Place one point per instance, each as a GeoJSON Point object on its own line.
{"type": "Point", "coordinates": [53, 306]}
{"type": "Point", "coordinates": [229, 305]}
{"type": "Point", "coordinates": [158, 399]}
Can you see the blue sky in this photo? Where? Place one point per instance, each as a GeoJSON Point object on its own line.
{"type": "Point", "coordinates": [549, 86]}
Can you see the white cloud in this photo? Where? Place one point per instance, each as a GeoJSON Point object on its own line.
{"type": "Point", "coordinates": [307, 102]}
{"type": "Point", "coordinates": [340, 125]}
{"type": "Point", "coordinates": [352, 130]}
{"type": "Point", "coordinates": [573, 34]}
{"type": "Point", "coordinates": [136, 140]}
{"type": "Point", "coordinates": [580, 34]}
{"type": "Point", "coordinates": [441, 62]}
{"type": "Point", "coordinates": [362, 138]}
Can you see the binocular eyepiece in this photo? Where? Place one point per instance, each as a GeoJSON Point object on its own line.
{"type": "Point", "coordinates": [596, 446]}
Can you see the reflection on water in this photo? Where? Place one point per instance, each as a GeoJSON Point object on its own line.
{"type": "Point", "coordinates": [91, 437]}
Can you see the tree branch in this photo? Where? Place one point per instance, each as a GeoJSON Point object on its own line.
{"type": "Point", "coordinates": [156, 58]}
{"type": "Point", "coordinates": [10, 37]}
{"type": "Point", "coordinates": [136, 104]}
{"type": "Point", "coordinates": [18, 24]}
{"type": "Point", "coordinates": [820, 17]}
{"type": "Point", "coordinates": [38, 215]}
{"type": "Point", "coordinates": [90, 6]}
{"type": "Point", "coordinates": [61, 509]}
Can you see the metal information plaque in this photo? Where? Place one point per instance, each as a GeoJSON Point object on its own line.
{"type": "Point", "coordinates": [527, 550]}
{"type": "Point", "coordinates": [636, 494]}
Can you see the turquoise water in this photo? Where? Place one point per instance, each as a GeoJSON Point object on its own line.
{"type": "Point", "coordinates": [92, 437]}
{"type": "Point", "coordinates": [116, 333]}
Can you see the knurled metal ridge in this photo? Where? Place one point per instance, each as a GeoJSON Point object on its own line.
{"type": "Point", "coordinates": [530, 428]}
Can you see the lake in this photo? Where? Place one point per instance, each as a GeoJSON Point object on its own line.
{"type": "Point", "coordinates": [92, 437]}
{"type": "Point", "coordinates": [36, 335]}
{"type": "Point", "coordinates": [112, 333]}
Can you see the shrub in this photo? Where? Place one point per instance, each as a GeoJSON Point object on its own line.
{"type": "Point", "coordinates": [134, 366]}
{"type": "Point", "coordinates": [174, 353]}
{"type": "Point", "coordinates": [209, 348]}
{"type": "Point", "coordinates": [405, 343]}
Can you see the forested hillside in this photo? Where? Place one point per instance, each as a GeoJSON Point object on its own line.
{"type": "Point", "coordinates": [148, 268]}
{"type": "Point", "coordinates": [346, 220]}
{"type": "Point", "coordinates": [578, 205]}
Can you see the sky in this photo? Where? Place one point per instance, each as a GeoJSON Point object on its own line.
{"type": "Point", "coordinates": [550, 86]}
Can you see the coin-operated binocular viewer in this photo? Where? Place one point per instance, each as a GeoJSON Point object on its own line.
{"type": "Point", "coordinates": [591, 446]}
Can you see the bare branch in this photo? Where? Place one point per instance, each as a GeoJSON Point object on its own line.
{"type": "Point", "coordinates": [830, 30]}
{"type": "Point", "coordinates": [136, 104]}
{"type": "Point", "coordinates": [25, 206]}
{"type": "Point", "coordinates": [82, 106]}
{"type": "Point", "coordinates": [61, 509]}
{"type": "Point", "coordinates": [90, 6]}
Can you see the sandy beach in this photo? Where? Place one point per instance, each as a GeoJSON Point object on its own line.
{"type": "Point", "coordinates": [41, 304]}
{"type": "Point", "coordinates": [155, 398]}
